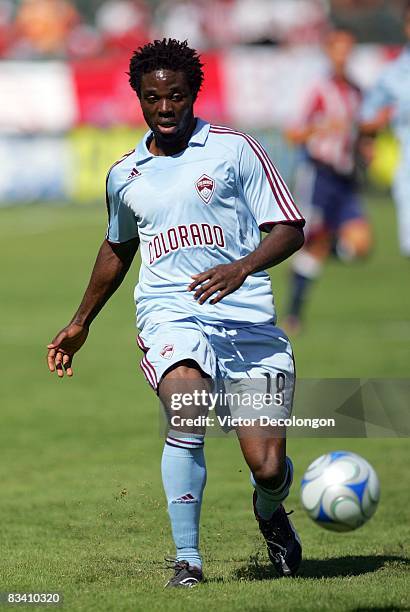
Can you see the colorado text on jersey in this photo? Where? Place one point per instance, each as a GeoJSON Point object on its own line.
{"type": "Point", "coordinates": [185, 236]}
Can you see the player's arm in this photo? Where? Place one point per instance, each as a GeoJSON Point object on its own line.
{"type": "Point", "coordinates": [379, 122]}
{"type": "Point", "coordinates": [112, 264]}
{"type": "Point", "coordinates": [301, 135]}
{"type": "Point", "coordinates": [283, 240]}
{"type": "Point", "coordinates": [377, 109]}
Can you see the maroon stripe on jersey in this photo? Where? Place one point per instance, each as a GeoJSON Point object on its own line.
{"type": "Point", "coordinates": [108, 176]}
{"type": "Point", "coordinates": [280, 190]}
{"type": "Point", "coordinates": [279, 182]}
{"type": "Point", "coordinates": [120, 160]}
{"type": "Point", "coordinates": [278, 197]}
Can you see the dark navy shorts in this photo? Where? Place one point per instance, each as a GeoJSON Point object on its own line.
{"type": "Point", "coordinates": [327, 199]}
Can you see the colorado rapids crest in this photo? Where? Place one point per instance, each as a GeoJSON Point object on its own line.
{"type": "Point", "coordinates": [205, 187]}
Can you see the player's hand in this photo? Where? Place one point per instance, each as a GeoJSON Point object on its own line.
{"type": "Point", "coordinates": [62, 348]}
{"type": "Point", "coordinates": [384, 117]}
{"type": "Point", "coordinates": [222, 280]}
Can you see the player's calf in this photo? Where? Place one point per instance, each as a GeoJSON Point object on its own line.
{"type": "Point", "coordinates": [306, 268]}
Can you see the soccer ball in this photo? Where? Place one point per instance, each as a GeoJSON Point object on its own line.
{"type": "Point", "coordinates": [340, 491]}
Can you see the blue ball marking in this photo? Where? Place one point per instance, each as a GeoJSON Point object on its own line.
{"type": "Point", "coordinates": [337, 454]}
{"type": "Point", "coordinates": [358, 488]}
{"type": "Point", "coordinates": [322, 516]}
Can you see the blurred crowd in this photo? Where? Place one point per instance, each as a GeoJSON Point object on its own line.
{"type": "Point", "coordinates": [76, 29]}
{"type": "Point", "coordinates": [59, 28]}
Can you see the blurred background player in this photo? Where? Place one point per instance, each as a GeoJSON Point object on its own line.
{"type": "Point", "coordinates": [389, 102]}
{"type": "Point", "coordinates": [326, 186]}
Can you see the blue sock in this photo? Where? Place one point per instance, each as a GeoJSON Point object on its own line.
{"type": "Point", "coordinates": [299, 286]}
{"type": "Point", "coordinates": [184, 477]}
{"type": "Point", "coordinates": [268, 500]}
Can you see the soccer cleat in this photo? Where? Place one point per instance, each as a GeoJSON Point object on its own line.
{"type": "Point", "coordinates": [184, 575]}
{"type": "Point", "coordinates": [283, 543]}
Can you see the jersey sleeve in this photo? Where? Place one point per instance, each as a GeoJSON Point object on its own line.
{"type": "Point", "coordinates": [264, 190]}
{"type": "Point", "coordinates": [122, 223]}
{"type": "Point", "coordinates": [377, 98]}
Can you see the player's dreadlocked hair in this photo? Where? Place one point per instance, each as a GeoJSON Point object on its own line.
{"type": "Point", "coordinates": [169, 54]}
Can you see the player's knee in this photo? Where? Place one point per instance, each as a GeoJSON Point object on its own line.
{"type": "Point", "coordinates": [364, 243]}
{"type": "Point", "coordinates": [355, 241]}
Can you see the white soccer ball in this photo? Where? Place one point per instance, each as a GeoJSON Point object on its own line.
{"type": "Point", "coordinates": [340, 491]}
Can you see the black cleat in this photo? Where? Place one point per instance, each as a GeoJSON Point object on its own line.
{"type": "Point", "coordinates": [283, 543]}
{"type": "Point", "coordinates": [184, 576]}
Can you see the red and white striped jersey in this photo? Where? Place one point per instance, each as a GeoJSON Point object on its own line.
{"type": "Point", "coordinates": [332, 108]}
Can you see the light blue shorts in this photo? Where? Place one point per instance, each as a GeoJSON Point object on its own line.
{"type": "Point", "coordinates": [256, 359]}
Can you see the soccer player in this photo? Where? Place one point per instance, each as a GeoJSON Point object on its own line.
{"type": "Point", "coordinates": [389, 102]}
{"type": "Point", "coordinates": [327, 132]}
{"type": "Point", "coordinates": [194, 196]}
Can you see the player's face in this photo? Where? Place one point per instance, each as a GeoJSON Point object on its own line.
{"type": "Point", "coordinates": [339, 47]}
{"type": "Point", "coordinates": [167, 105]}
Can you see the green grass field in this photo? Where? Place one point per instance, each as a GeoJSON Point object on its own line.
{"type": "Point", "coordinates": [82, 508]}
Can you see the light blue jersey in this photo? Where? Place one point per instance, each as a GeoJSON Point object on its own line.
{"type": "Point", "coordinates": [193, 211]}
{"type": "Point", "coordinates": [393, 89]}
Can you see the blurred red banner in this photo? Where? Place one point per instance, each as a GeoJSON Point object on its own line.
{"type": "Point", "coordinates": [103, 94]}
